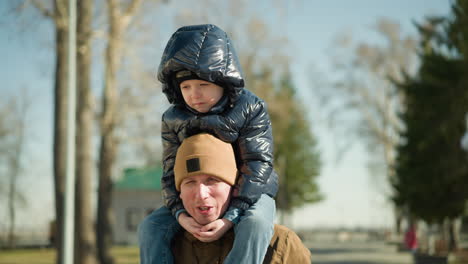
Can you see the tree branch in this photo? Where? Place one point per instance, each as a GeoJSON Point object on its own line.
{"type": "Point", "coordinates": [130, 12]}
{"type": "Point", "coordinates": [62, 9]}
{"type": "Point", "coordinates": [132, 7]}
{"type": "Point", "coordinates": [45, 12]}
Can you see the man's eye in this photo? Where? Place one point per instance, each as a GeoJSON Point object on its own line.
{"type": "Point", "coordinates": [213, 180]}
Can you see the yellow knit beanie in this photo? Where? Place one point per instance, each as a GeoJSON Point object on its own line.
{"type": "Point", "coordinates": [205, 154]}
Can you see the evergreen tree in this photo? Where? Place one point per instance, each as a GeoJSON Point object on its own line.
{"type": "Point", "coordinates": [296, 156]}
{"type": "Point", "coordinates": [432, 168]}
{"type": "Point", "coordinates": [297, 160]}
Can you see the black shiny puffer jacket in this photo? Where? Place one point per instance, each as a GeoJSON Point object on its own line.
{"type": "Point", "coordinates": [240, 117]}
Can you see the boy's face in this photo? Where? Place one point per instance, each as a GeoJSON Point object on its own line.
{"type": "Point", "coordinates": [201, 95]}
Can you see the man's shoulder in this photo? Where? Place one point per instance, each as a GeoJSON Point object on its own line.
{"type": "Point", "coordinates": [286, 247]}
{"type": "Point", "coordinates": [283, 231]}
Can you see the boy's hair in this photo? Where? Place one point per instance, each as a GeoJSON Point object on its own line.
{"type": "Point", "coordinates": [185, 75]}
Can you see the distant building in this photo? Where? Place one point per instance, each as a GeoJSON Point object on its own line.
{"type": "Point", "coordinates": [135, 195]}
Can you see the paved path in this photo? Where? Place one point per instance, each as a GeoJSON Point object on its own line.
{"type": "Point", "coordinates": [357, 253]}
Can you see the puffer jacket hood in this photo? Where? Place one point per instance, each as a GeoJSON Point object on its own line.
{"type": "Point", "coordinates": [207, 51]}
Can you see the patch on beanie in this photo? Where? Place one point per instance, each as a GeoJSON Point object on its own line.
{"type": "Point", "coordinates": [193, 165]}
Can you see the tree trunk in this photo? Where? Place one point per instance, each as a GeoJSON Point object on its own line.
{"type": "Point", "coordinates": [85, 245]}
{"type": "Point", "coordinates": [107, 155]}
{"type": "Point", "coordinates": [60, 118]}
{"type": "Point", "coordinates": [118, 22]}
{"type": "Point", "coordinates": [108, 148]}
{"type": "Point", "coordinates": [454, 235]}
{"type": "Point", "coordinates": [398, 211]}
{"type": "Point", "coordinates": [15, 157]}
{"type": "Point", "coordinates": [11, 200]}
{"type": "Point", "coordinates": [105, 215]}
{"type": "Point", "coordinates": [11, 211]}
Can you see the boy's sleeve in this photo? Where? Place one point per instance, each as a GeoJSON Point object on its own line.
{"type": "Point", "coordinates": [255, 148]}
{"type": "Point", "coordinates": [170, 145]}
{"type": "Point", "coordinates": [233, 214]}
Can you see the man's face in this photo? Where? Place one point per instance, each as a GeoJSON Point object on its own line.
{"type": "Point", "coordinates": [205, 197]}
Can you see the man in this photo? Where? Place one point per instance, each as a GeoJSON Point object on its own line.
{"type": "Point", "coordinates": [205, 180]}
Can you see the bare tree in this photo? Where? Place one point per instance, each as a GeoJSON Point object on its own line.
{"type": "Point", "coordinates": [58, 13]}
{"type": "Point", "coordinates": [14, 164]}
{"type": "Point", "coordinates": [5, 183]}
{"type": "Point", "coordinates": [141, 107]}
{"type": "Point", "coordinates": [141, 101]}
{"type": "Point", "coordinates": [12, 141]}
{"type": "Point", "coordinates": [119, 19]}
{"type": "Point", "coordinates": [365, 90]}
{"type": "Point", "coordinates": [85, 245]}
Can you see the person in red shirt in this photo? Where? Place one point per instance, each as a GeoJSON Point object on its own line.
{"type": "Point", "coordinates": [411, 239]}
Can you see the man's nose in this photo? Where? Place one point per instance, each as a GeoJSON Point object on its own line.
{"type": "Point", "coordinates": [202, 191]}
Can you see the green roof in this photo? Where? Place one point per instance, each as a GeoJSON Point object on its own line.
{"type": "Point", "coordinates": [140, 179]}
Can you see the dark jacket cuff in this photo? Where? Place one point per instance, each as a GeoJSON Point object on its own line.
{"type": "Point", "coordinates": [241, 204]}
{"type": "Point", "coordinates": [177, 207]}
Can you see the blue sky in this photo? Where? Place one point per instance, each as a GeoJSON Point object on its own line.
{"type": "Point", "coordinates": [310, 26]}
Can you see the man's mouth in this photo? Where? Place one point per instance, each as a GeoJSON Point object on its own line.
{"type": "Point", "coordinates": [204, 209]}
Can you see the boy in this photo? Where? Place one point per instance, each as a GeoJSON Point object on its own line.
{"type": "Point", "coordinates": [202, 79]}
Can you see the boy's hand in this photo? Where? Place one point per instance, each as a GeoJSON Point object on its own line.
{"type": "Point", "coordinates": [189, 224]}
{"type": "Point", "coordinates": [214, 230]}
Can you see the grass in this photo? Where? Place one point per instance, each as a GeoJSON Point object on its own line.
{"type": "Point", "coordinates": [23, 256]}
{"type": "Point", "coordinates": [122, 255]}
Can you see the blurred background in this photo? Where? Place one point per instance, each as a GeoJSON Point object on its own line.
{"type": "Point", "coordinates": [368, 101]}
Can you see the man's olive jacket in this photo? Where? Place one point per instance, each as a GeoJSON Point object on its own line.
{"type": "Point", "coordinates": [285, 247]}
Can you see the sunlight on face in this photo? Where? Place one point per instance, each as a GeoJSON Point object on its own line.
{"type": "Point", "coordinates": [205, 197]}
{"type": "Point", "coordinates": [201, 95]}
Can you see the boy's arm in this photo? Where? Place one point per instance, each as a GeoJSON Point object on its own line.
{"type": "Point", "coordinates": [170, 145]}
{"type": "Point", "coordinates": [255, 148]}
{"type": "Point", "coordinates": [233, 214]}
